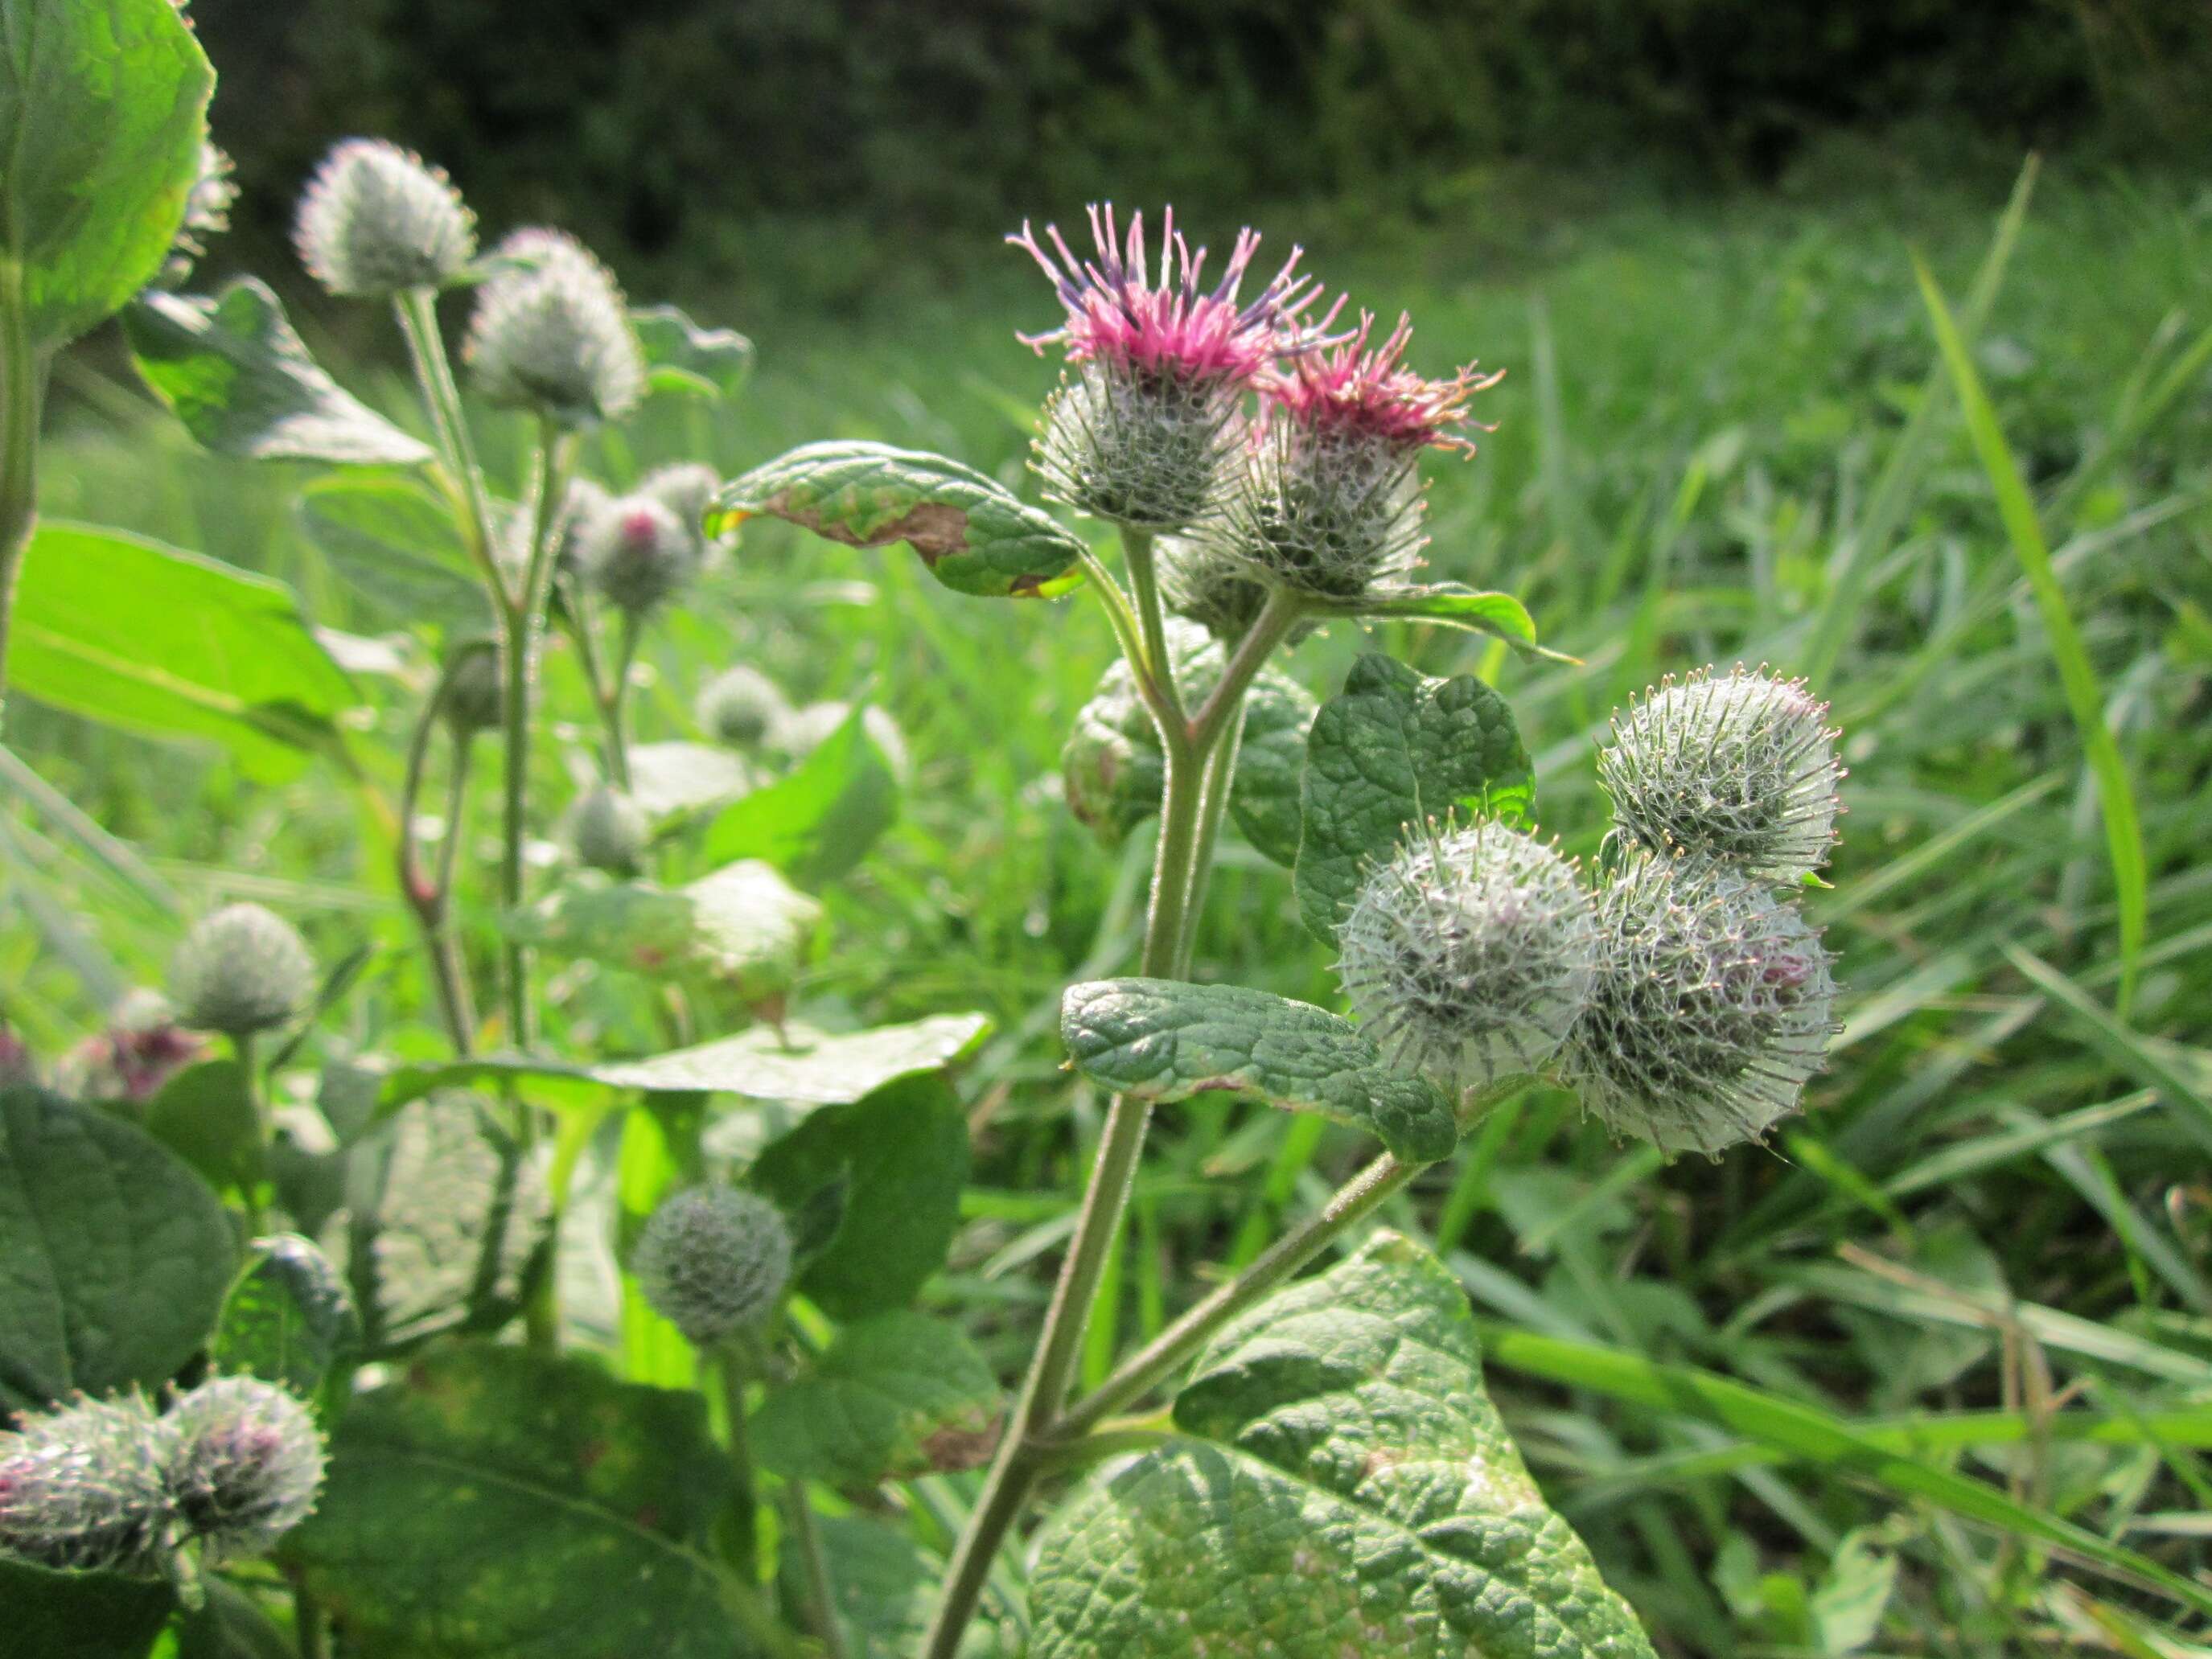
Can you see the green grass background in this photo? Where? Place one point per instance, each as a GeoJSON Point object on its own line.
{"type": "Point", "coordinates": [1998, 1207]}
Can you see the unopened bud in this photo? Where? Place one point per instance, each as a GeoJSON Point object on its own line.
{"type": "Point", "coordinates": [551, 334]}
{"type": "Point", "coordinates": [207, 215]}
{"type": "Point", "coordinates": [713, 1260]}
{"type": "Point", "coordinates": [637, 553]}
{"type": "Point", "coordinates": [83, 1488]}
{"type": "Point", "coordinates": [476, 695]}
{"type": "Point", "coordinates": [686, 489]}
{"type": "Point", "coordinates": [245, 1465]}
{"type": "Point", "coordinates": [241, 971]}
{"type": "Point", "coordinates": [608, 830]}
{"type": "Point", "coordinates": [740, 707]}
{"type": "Point", "coordinates": [375, 221]}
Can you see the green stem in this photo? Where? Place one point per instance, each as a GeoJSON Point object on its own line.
{"type": "Point", "coordinates": [615, 699]}
{"type": "Point", "coordinates": [1220, 779]}
{"type": "Point", "coordinates": [430, 899]}
{"type": "Point", "coordinates": [821, 1597]}
{"type": "Point", "coordinates": [417, 312]}
{"type": "Point", "coordinates": [732, 1373]}
{"type": "Point", "coordinates": [22, 391]}
{"type": "Point", "coordinates": [1152, 617]}
{"type": "Point", "coordinates": [249, 1180]}
{"type": "Point", "coordinates": [307, 1622]}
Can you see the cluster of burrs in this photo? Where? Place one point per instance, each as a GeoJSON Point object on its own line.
{"type": "Point", "coordinates": [1686, 1000]}
{"type": "Point", "coordinates": [111, 1485]}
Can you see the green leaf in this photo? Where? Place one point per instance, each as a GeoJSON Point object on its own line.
{"type": "Point", "coordinates": [1353, 1492]}
{"type": "Point", "coordinates": [897, 1395]}
{"type": "Point", "coordinates": [817, 821]}
{"type": "Point", "coordinates": [390, 538]}
{"type": "Point", "coordinates": [1114, 770]}
{"type": "Point", "coordinates": [676, 778]}
{"type": "Point", "coordinates": [1164, 1040]}
{"type": "Point", "coordinates": [1457, 607]}
{"type": "Point", "coordinates": [744, 926]}
{"type": "Point", "coordinates": [85, 1615]}
{"type": "Point", "coordinates": [903, 1154]}
{"type": "Point", "coordinates": [1398, 749]}
{"type": "Point", "coordinates": [288, 1319]}
{"type": "Point", "coordinates": [103, 110]}
{"type": "Point", "coordinates": [171, 644]}
{"type": "Point", "coordinates": [116, 1255]}
{"type": "Point", "coordinates": [681, 356]}
{"type": "Point", "coordinates": [974, 535]}
{"type": "Point", "coordinates": [498, 1501]}
{"type": "Point", "coordinates": [205, 1114]}
{"type": "Point", "coordinates": [243, 383]}
{"type": "Point", "coordinates": [230, 1625]}
{"type": "Point", "coordinates": [887, 1587]}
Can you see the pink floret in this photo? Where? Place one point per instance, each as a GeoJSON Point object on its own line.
{"type": "Point", "coordinates": [1369, 389]}
{"type": "Point", "coordinates": [1119, 316]}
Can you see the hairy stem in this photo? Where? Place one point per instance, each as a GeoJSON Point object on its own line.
{"type": "Point", "coordinates": [429, 898]}
{"type": "Point", "coordinates": [1151, 618]}
{"type": "Point", "coordinates": [417, 312]}
{"type": "Point", "coordinates": [615, 701]}
{"type": "Point", "coordinates": [23, 392]}
{"type": "Point", "coordinates": [1220, 779]}
{"type": "Point", "coordinates": [733, 1372]}
{"type": "Point", "coordinates": [821, 1597]}
{"type": "Point", "coordinates": [251, 1179]}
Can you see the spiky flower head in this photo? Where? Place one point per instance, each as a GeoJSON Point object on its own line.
{"type": "Point", "coordinates": [241, 970]}
{"type": "Point", "coordinates": [685, 489]}
{"type": "Point", "coordinates": [246, 1462]}
{"type": "Point", "coordinates": [638, 553]}
{"type": "Point", "coordinates": [1147, 429]}
{"type": "Point", "coordinates": [740, 706]}
{"type": "Point", "coordinates": [142, 1048]}
{"type": "Point", "coordinates": [1468, 956]}
{"type": "Point", "coordinates": [1712, 1006]}
{"type": "Point", "coordinates": [1739, 767]}
{"type": "Point", "coordinates": [376, 221]}
{"type": "Point", "coordinates": [207, 215]}
{"type": "Point", "coordinates": [551, 333]}
{"type": "Point", "coordinates": [608, 830]}
{"type": "Point", "coordinates": [1330, 504]}
{"type": "Point", "coordinates": [476, 695]}
{"type": "Point", "coordinates": [712, 1260]}
{"type": "Point", "coordinates": [83, 1488]}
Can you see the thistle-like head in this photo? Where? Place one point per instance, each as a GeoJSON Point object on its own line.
{"type": "Point", "coordinates": [375, 221]}
{"type": "Point", "coordinates": [1331, 501]}
{"type": "Point", "coordinates": [685, 489]}
{"type": "Point", "coordinates": [638, 552]}
{"type": "Point", "coordinates": [241, 971]}
{"type": "Point", "coordinates": [1202, 581]}
{"type": "Point", "coordinates": [608, 830]}
{"type": "Point", "coordinates": [740, 707]}
{"type": "Point", "coordinates": [713, 1260]}
{"type": "Point", "coordinates": [1468, 956]}
{"type": "Point", "coordinates": [475, 695]}
{"type": "Point", "coordinates": [244, 1463]}
{"type": "Point", "coordinates": [1711, 1006]}
{"type": "Point", "coordinates": [551, 334]}
{"type": "Point", "coordinates": [83, 1488]}
{"type": "Point", "coordinates": [1145, 429]}
{"type": "Point", "coordinates": [1741, 767]}
{"type": "Point", "coordinates": [142, 1048]}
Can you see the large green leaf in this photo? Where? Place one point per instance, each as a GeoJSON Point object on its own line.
{"type": "Point", "coordinates": [815, 821]}
{"type": "Point", "coordinates": [103, 110]}
{"type": "Point", "coordinates": [1114, 770]}
{"type": "Point", "coordinates": [678, 779]}
{"type": "Point", "coordinates": [897, 1395]}
{"type": "Point", "coordinates": [743, 925]}
{"type": "Point", "coordinates": [288, 1319]}
{"type": "Point", "coordinates": [242, 381]}
{"type": "Point", "coordinates": [83, 1615]}
{"type": "Point", "coordinates": [205, 1114]}
{"type": "Point", "coordinates": [903, 1155]}
{"type": "Point", "coordinates": [173, 644]}
{"type": "Point", "coordinates": [114, 1256]}
{"type": "Point", "coordinates": [975, 535]}
{"type": "Point", "coordinates": [887, 1586]}
{"type": "Point", "coordinates": [1164, 1040]}
{"type": "Point", "coordinates": [681, 356]}
{"type": "Point", "coordinates": [498, 1501]}
{"type": "Point", "coordinates": [390, 538]}
{"type": "Point", "coordinates": [1348, 1489]}
{"type": "Point", "coordinates": [1396, 749]}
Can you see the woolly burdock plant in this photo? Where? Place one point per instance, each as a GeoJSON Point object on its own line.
{"type": "Point", "coordinates": [1330, 505]}
{"type": "Point", "coordinates": [1711, 1006]}
{"type": "Point", "coordinates": [1202, 581]}
{"type": "Point", "coordinates": [551, 334]}
{"type": "Point", "coordinates": [244, 1463]}
{"type": "Point", "coordinates": [1146, 431]}
{"type": "Point", "coordinates": [1739, 767]}
{"type": "Point", "coordinates": [1468, 956]}
{"type": "Point", "coordinates": [83, 1488]}
{"type": "Point", "coordinates": [242, 970]}
{"type": "Point", "coordinates": [713, 1260]}
{"type": "Point", "coordinates": [377, 220]}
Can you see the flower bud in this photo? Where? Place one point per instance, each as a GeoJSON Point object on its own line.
{"type": "Point", "coordinates": [142, 1048]}
{"type": "Point", "coordinates": [241, 971]}
{"type": "Point", "coordinates": [475, 695]}
{"type": "Point", "coordinates": [686, 489]}
{"type": "Point", "coordinates": [608, 830]}
{"type": "Point", "coordinates": [244, 1464]}
{"type": "Point", "coordinates": [1741, 767]}
{"type": "Point", "coordinates": [1711, 1006]}
{"type": "Point", "coordinates": [740, 707]}
{"type": "Point", "coordinates": [1468, 956]}
{"type": "Point", "coordinates": [207, 215]}
{"type": "Point", "coordinates": [375, 221]}
{"type": "Point", "coordinates": [551, 334]}
{"type": "Point", "coordinates": [637, 553]}
{"type": "Point", "coordinates": [82, 1488]}
{"type": "Point", "coordinates": [713, 1260]}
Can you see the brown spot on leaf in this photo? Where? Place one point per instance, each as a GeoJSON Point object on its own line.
{"type": "Point", "coordinates": [956, 1448]}
{"type": "Point", "coordinates": [1227, 1086]}
{"type": "Point", "coordinates": [933, 527]}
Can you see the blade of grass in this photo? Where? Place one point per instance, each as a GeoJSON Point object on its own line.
{"type": "Point", "coordinates": [2123, 1046]}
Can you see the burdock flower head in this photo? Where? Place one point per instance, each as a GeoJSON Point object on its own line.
{"type": "Point", "coordinates": [83, 1488]}
{"type": "Point", "coordinates": [1740, 768]}
{"type": "Point", "coordinates": [712, 1260]}
{"type": "Point", "coordinates": [1331, 506]}
{"type": "Point", "coordinates": [1469, 955]}
{"type": "Point", "coordinates": [551, 333]}
{"type": "Point", "coordinates": [246, 1462]}
{"type": "Point", "coordinates": [1712, 1005]}
{"type": "Point", "coordinates": [241, 970]}
{"type": "Point", "coordinates": [376, 219]}
{"type": "Point", "coordinates": [1146, 431]}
